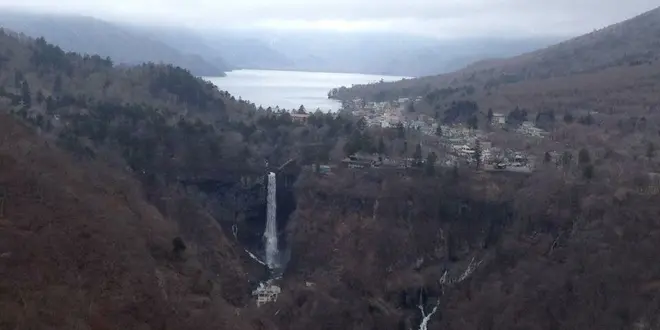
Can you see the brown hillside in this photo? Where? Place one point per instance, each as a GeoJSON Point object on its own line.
{"type": "Point", "coordinates": [80, 249]}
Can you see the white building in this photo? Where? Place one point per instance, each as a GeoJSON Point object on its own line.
{"type": "Point", "coordinates": [266, 293]}
{"type": "Point", "coordinates": [499, 118]}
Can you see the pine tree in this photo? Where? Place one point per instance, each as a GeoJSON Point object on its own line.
{"type": "Point", "coordinates": [583, 157]}
{"type": "Point", "coordinates": [477, 153]}
{"type": "Point", "coordinates": [40, 97]}
{"type": "Point", "coordinates": [18, 79]}
{"type": "Point", "coordinates": [547, 157]}
{"type": "Point", "coordinates": [588, 172]}
{"type": "Point", "coordinates": [381, 146]}
{"type": "Point", "coordinates": [650, 150]}
{"type": "Point", "coordinates": [566, 158]}
{"type": "Point", "coordinates": [26, 96]}
{"type": "Point", "coordinates": [417, 156]}
{"type": "Point", "coordinates": [401, 131]}
{"type": "Point", "coordinates": [431, 158]}
{"type": "Point", "coordinates": [411, 107]}
{"type": "Point", "coordinates": [473, 122]}
{"type": "Point", "coordinates": [362, 124]}
{"type": "Point", "coordinates": [57, 85]}
{"type": "Point", "coordinates": [438, 131]}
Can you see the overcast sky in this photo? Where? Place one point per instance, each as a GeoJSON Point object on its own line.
{"type": "Point", "coordinates": [441, 18]}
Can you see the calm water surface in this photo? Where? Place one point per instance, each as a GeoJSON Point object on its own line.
{"type": "Point", "coordinates": [290, 89]}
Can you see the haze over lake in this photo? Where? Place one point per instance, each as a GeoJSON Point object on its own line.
{"type": "Point", "coordinates": [290, 89]}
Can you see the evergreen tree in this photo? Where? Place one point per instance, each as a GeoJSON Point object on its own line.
{"type": "Point", "coordinates": [50, 105]}
{"type": "Point", "coordinates": [411, 107]}
{"type": "Point", "coordinates": [568, 118]}
{"type": "Point", "coordinates": [18, 79]}
{"type": "Point", "coordinates": [583, 157]}
{"type": "Point", "coordinates": [588, 172]}
{"type": "Point", "coordinates": [417, 156]}
{"type": "Point", "coordinates": [438, 131]}
{"type": "Point", "coordinates": [26, 96]}
{"type": "Point", "coordinates": [650, 150]}
{"type": "Point", "coordinates": [490, 116]}
{"type": "Point", "coordinates": [401, 131]}
{"type": "Point", "coordinates": [57, 85]}
{"type": "Point", "coordinates": [40, 97]}
{"type": "Point", "coordinates": [473, 122]}
{"type": "Point", "coordinates": [566, 158]}
{"type": "Point", "coordinates": [547, 157]}
{"type": "Point", "coordinates": [431, 158]}
{"type": "Point", "coordinates": [454, 171]}
{"type": "Point", "coordinates": [381, 146]}
{"type": "Point", "coordinates": [362, 124]}
{"type": "Point", "coordinates": [477, 154]}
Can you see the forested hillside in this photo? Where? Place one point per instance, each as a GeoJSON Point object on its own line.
{"type": "Point", "coordinates": [629, 44]}
{"type": "Point", "coordinates": [125, 203]}
{"type": "Point", "coordinates": [127, 243]}
{"type": "Point", "coordinates": [86, 35]}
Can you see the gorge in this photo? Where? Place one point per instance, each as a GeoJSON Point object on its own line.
{"type": "Point", "coordinates": [142, 198]}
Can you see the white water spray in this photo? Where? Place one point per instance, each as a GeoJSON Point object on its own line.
{"type": "Point", "coordinates": [270, 234]}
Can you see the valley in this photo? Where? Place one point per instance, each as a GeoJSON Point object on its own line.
{"type": "Point", "coordinates": [518, 193]}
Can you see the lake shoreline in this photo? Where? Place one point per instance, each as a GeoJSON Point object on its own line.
{"type": "Point", "coordinates": [290, 89]}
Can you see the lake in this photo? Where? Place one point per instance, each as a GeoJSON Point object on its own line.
{"type": "Point", "coordinates": [290, 89]}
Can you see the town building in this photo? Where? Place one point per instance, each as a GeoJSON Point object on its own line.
{"type": "Point", "coordinates": [266, 292]}
{"type": "Point", "coordinates": [299, 117]}
{"type": "Point", "coordinates": [499, 119]}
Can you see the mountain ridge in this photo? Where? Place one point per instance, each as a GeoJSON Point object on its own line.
{"type": "Point", "coordinates": [635, 41]}
{"type": "Point", "coordinates": [92, 36]}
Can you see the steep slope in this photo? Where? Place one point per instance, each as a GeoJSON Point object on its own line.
{"type": "Point", "coordinates": [225, 48]}
{"type": "Point", "coordinates": [92, 36]}
{"type": "Point", "coordinates": [191, 42]}
{"type": "Point", "coordinates": [247, 52]}
{"type": "Point", "coordinates": [631, 43]}
{"type": "Point", "coordinates": [81, 248]}
{"type": "Point", "coordinates": [488, 251]}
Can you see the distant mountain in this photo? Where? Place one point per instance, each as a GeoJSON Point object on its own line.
{"type": "Point", "coordinates": [92, 36]}
{"type": "Point", "coordinates": [328, 51]}
{"type": "Point", "coordinates": [623, 46]}
{"type": "Point", "coordinates": [222, 48]}
{"type": "Point", "coordinates": [374, 53]}
{"type": "Point", "coordinates": [450, 55]}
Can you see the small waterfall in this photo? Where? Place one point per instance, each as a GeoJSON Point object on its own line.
{"type": "Point", "coordinates": [270, 234]}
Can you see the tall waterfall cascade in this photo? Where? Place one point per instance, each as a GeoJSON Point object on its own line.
{"type": "Point", "coordinates": [270, 234]}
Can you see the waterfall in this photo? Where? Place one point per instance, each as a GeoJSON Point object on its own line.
{"type": "Point", "coordinates": [270, 234]}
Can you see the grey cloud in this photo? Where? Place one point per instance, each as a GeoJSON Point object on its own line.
{"type": "Point", "coordinates": [438, 17]}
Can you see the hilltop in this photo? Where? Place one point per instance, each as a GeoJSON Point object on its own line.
{"type": "Point", "coordinates": [87, 35]}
